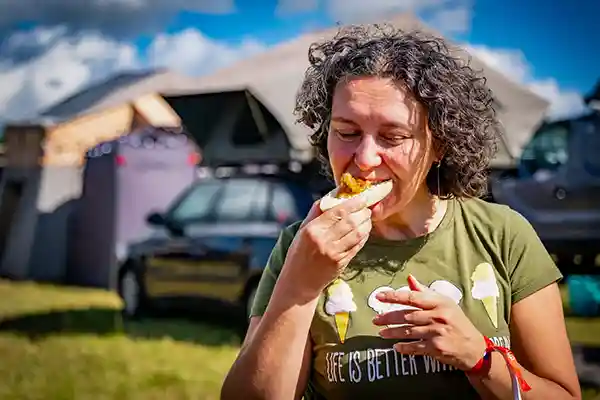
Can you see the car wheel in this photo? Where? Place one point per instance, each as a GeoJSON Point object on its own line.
{"type": "Point", "coordinates": [131, 292]}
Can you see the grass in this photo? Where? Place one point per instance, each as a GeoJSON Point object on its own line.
{"type": "Point", "coordinates": [69, 343]}
{"type": "Point", "coordinates": [62, 343]}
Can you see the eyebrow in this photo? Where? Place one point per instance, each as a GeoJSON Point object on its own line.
{"type": "Point", "coordinates": [388, 125]}
{"type": "Point", "coordinates": [343, 120]}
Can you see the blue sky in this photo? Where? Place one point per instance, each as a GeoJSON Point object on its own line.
{"type": "Point", "coordinates": [53, 49]}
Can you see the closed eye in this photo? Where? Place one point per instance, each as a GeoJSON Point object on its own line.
{"type": "Point", "coordinates": [347, 134]}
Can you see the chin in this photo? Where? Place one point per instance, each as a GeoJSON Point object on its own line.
{"type": "Point", "coordinates": [380, 211]}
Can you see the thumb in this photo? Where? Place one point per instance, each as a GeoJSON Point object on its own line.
{"type": "Point", "coordinates": [415, 285]}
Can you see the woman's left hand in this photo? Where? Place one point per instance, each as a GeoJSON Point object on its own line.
{"type": "Point", "coordinates": [439, 329]}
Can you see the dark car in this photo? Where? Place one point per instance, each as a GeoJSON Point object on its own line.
{"type": "Point", "coordinates": [212, 243]}
{"type": "Point", "coordinates": [557, 188]}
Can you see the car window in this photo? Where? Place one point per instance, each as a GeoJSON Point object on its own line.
{"type": "Point", "coordinates": [243, 200]}
{"type": "Point", "coordinates": [197, 203]}
{"type": "Point", "coordinates": [290, 202]}
{"type": "Point", "coordinates": [548, 150]}
{"type": "Point", "coordinates": [591, 161]}
{"type": "Point", "coordinates": [283, 204]}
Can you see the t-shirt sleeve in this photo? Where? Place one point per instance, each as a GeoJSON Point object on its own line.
{"type": "Point", "coordinates": [272, 270]}
{"type": "Point", "coordinates": [531, 266]}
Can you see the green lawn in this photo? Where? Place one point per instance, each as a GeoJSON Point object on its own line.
{"type": "Point", "coordinates": [69, 343]}
{"type": "Point", "coordinates": [97, 356]}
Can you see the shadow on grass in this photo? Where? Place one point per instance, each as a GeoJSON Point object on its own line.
{"type": "Point", "coordinates": [109, 321]}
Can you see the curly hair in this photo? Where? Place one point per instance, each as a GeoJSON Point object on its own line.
{"type": "Point", "coordinates": [458, 103]}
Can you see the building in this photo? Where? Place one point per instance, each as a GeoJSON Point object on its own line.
{"type": "Point", "coordinates": [42, 179]}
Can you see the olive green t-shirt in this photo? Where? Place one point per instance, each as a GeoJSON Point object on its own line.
{"type": "Point", "coordinates": [484, 256]}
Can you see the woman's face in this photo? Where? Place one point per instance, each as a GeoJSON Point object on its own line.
{"type": "Point", "coordinates": [379, 131]}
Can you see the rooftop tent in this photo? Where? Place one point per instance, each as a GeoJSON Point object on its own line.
{"type": "Point", "coordinates": [232, 127]}
{"type": "Point", "coordinates": [274, 76]}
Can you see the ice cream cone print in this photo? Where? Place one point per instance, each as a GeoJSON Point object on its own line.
{"type": "Point", "coordinates": [485, 288]}
{"type": "Point", "coordinates": [342, 320]}
{"type": "Point", "coordinates": [491, 307]}
{"type": "Point", "coordinates": [340, 304]}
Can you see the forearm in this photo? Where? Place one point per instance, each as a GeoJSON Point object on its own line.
{"type": "Point", "coordinates": [270, 365]}
{"type": "Point", "coordinates": [496, 384]}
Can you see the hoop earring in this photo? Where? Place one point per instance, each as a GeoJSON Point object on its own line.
{"type": "Point", "coordinates": [438, 179]}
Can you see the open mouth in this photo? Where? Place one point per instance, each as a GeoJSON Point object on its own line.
{"type": "Point", "coordinates": [351, 186]}
{"type": "Point", "coordinates": [371, 192]}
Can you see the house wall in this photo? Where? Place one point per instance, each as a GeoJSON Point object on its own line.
{"type": "Point", "coordinates": [49, 161]}
{"type": "Point", "coordinates": [67, 143]}
{"type": "Point", "coordinates": [23, 152]}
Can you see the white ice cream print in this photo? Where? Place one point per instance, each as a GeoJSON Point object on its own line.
{"type": "Point", "coordinates": [340, 303]}
{"type": "Point", "coordinates": [485, 288]}
{"type": "Point", "coordinates": [440, 286]}
{"type": "Point", "coordinates": [447, 289]}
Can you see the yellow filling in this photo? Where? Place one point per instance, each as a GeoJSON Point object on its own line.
{"type": "Point", "coordinates": [351, 186]}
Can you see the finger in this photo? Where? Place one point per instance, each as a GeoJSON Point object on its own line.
{"type": "Point", "coordinates": [414, 284]}
{"type": "Point", "coordinates": [425, 300]}
{"type": "Point", "coordinates": [349, 206]}
{"type": "Point", "coordinates": [408, 332]}
{"type": "Point", "coordinates": [352, 221]}
{"type": "Point", "coordinates": [411, 317]}
{"type": "Point", "coordinates": [354, 236]}
{"type": "Point", "coordinates": [418, 348]}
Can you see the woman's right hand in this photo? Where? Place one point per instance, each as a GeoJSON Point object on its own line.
{"type": "Point", "coordinates": [326, 243]}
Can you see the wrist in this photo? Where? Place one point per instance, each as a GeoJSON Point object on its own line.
{"type": "Point", "coordinates": [298, 288]}
{"type": "Point", "coordinates": [481, 357]}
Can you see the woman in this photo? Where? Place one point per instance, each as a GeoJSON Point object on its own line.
{"type": "Point", "coordinates": [396, 300]}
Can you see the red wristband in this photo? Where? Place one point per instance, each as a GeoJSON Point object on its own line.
{"type": "Point", "coordinates": [515, 372]}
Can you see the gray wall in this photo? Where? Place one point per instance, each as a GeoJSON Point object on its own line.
{"type": "Point", "coordinates": [37, 243]}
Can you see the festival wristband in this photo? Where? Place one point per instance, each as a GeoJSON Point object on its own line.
{"type": "Point", "coordinates": [518, 383]}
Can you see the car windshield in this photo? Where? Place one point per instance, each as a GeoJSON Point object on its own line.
{"type": "Point", "coordinates": [197, 203]}
{"type": "Point", "coordinates": [548, 150]}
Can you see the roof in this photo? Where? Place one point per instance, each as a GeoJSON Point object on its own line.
{"type": "Point", "coordinates": [114, 91]}
{"type": "Point", "coordinates": [274, 76]}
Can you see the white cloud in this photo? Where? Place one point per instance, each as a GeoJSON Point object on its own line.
{"type": "Point", "coordinates": [64, 68]}
{"type": "Point", "coordinates": [447, 16]}
{"type": "Point", "coordinates": [513, 64]}
{"type": "Point", "coordinates": [65, 63]}
{"type": "Point", "coordinates": [353, 11]}
{"type": "Point", "coordinates": [451, 20]}
{"type": "Point", "coordinates": [193, 53]}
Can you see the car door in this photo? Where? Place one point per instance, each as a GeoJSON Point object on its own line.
{"type": "Point", "coordinates": [538, 192]}
{"type": "Point", "coordinates": [237, 221]}
{"type": "Point", "coordinates": [581, 194]}
{"type": "Point", "coordinates": [171, 260]}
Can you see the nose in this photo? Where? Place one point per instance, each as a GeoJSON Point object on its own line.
{"type": "Point", "coordinates": [366, 156]}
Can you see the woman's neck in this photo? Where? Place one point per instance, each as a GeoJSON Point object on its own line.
{"type": "Point", "coordinates": [420, 217]}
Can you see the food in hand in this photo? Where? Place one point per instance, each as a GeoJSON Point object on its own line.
{"type": "Point", "coordinates": [352, 187]}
